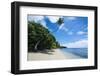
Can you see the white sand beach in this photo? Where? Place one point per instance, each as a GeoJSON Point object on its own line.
{"type": "Point", "coordinates": [55, 55]}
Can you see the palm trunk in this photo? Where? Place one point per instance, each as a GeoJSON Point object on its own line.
{"type": "Point", "coordinates": [35, 47]}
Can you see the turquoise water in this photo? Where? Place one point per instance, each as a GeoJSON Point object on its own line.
{"type": "Point", "coordinates": [82, 52]}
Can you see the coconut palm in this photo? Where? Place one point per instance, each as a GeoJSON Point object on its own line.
{"type": "Point", "coordinates": [60, 21]}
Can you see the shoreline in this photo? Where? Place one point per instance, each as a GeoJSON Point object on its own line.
{"type": "Point", "coordinates": [55, 55]}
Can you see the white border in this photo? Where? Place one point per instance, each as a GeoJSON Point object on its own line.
{"type": "Point", "coordinates": [26, 65]}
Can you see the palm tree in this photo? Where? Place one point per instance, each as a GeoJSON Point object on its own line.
{"type": "Point", "coordinates": [60, 21]}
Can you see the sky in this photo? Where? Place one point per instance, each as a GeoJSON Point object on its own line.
{"type": "Point", "coordinates": [73, 33]}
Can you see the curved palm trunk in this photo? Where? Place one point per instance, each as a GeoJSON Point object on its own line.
{"type": "Point", "coordinates": [35, 47]}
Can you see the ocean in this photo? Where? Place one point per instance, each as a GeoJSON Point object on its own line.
{"type": "Point", "coordinates": [82, 52]}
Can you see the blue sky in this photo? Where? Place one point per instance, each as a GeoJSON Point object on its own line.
{"type": "Point", "coordinates": [73, 33]}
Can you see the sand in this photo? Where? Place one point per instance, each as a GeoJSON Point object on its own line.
{"type": "Point", "coordinates": [55, 55]}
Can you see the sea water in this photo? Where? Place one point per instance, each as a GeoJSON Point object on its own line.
{"type": "Point", "coordinates": [82, 52]}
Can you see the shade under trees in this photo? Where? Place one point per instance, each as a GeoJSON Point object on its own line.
{"type": "Point", "coordinates": [40, 38]}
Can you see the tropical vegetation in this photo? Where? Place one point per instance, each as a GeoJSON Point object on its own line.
{"type": "Point", "coordinates": [40, 38]}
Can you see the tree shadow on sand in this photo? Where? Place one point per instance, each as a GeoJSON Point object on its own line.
{"type": "Point", "coordinates": [45, 51]}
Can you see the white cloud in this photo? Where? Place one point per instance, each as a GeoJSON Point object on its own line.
{"type": "Point", "coordinates": [61, 27]}
{"type": "Point", "coordinates": [70, 33]}
{"type": "Point", "coordinates": [43, 23]}
{"type": "Point", "coordinates": [81, 32]}
{"type": "Point", "coordinates": [35, 18]}
{"type": "Point", "coordinates": [65, 29]}
{"type": "Point", "coordinates": [71, 18]}
{"type": "Point", "coordinates": [53, 19]}
{"type": "Point", "coordinates": [77, 44]}
{"type": "Point", "coordinates": [39, 19]}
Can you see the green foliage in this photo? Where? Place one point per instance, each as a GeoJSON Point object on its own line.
{"type": "Point", "coordinates": [40, 38]}
{"type": "Point", "coordinates": [60, 21]}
